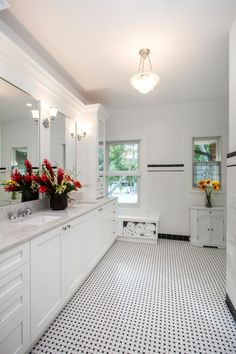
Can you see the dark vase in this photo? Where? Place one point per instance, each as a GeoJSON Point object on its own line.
{"type": "Point", "coordinates": [58, 201]}
{"type": "Point", "coordinates": [208, 201]}
{"type": "Point", "coordinates": [27, 196]}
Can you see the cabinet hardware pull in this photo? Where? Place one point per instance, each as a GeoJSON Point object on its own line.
{"type": "Point", "coordinates": [68, 226]}
{"type": "Point", "coordinates": [100, 209]}
{"type": "Point", "coordinates": [64, 228]}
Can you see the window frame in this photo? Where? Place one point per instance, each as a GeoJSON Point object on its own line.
{"type": "Point", "coordinates": [219, 154]}
{"type": "Point", "coordinates": [132, 173]}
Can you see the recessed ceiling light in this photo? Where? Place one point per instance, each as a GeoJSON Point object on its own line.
{"type": "Point", "coordinates": [29, 104]}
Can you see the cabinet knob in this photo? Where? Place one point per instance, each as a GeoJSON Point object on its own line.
{"type": "Point", "coordinates": [68, 226]}
{"type": "Point", "coordinates": [64, 228]}
{"type": "Point", "coordinates": [100, 209]}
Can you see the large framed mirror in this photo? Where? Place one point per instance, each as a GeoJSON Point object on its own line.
{"type": "Point", "coordinates": [63, 143]}
{"type": "Point", "coordinates": [19, 135]}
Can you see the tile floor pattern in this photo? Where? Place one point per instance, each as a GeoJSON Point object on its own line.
{"type": "Point", "coordinates": [144, 298]}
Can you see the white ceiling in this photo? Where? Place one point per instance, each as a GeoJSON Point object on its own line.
{"type": "Point", "coordinates": [95, 44]}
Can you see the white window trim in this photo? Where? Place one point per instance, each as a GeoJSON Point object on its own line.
{"type": "Point", "coordinates": [219, 153]}
{"type": "Point", "coordinates": [135, 173]}
{"type": "Point", "coordinates": [188, 137]}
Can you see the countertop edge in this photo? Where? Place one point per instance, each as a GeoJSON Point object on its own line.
{"type": "Point", "coordinates": [55, 224]}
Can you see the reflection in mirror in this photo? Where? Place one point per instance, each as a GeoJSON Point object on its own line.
{"type": "Point", "coordinates": [19, 135]}
{"type": "Point", "coordinates": [63, 144]}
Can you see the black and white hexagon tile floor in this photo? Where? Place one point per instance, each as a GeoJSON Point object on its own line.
{"type": "Point", "coordinates": [144, 298]}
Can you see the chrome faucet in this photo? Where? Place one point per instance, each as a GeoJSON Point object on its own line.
{"type": "Point", "coordinates": [20, 213]}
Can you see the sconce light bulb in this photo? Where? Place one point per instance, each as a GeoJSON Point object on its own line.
{"type": "Point", "coordinates": [53, 112]}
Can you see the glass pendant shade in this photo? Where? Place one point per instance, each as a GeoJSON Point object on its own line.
{"type": "Point", "coordinates": [144, 82]}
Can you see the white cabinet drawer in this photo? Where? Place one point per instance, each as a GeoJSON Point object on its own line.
{"type": "Point", "coordinates": [14, 258]}
{"type": "Point", "coordinates": [13, 282]}
{"type": "Point", "coordinates": [15, 323]}
{"type": "Point", "coordinates": [14, 306]}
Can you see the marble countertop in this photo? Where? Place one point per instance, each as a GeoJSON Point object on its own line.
{"type": "Point", "coordinates": [15, 232]}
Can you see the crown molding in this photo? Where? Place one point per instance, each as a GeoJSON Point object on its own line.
{"type": "Point", "coordinates": [23, 71]}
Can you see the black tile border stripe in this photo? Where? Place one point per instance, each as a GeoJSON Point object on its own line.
{"type": "Point", "coordinates": [166, 165]}
{"type": "Point", "coordinates": [231, 307]}
{"type": "Point", "coordinates": [2, 168]}
{"type": "Point", "coordinates": [174, 237]}
{"type": "Point", "coordinates": [231, 165]}
{"type": "Point", "coordinates": [231, 154]}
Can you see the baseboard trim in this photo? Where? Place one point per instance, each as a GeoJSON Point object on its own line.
{"type": "Point", "coordinates": [174, 237]}
{"type": "Point", "coordinates": [231, 307]}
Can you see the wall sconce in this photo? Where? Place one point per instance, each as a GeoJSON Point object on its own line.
{"type": "Point", "coordinates": [79, 136]}
{"type": "Point", "coordinates": [35, 114]}
{"type": "Point", "coordinates": [52, 113]}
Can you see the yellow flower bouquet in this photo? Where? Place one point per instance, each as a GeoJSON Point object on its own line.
{"type": "Point", "coordinates": [208, 187]}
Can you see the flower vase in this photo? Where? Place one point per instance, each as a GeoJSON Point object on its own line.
{"type": "Point", "coordinates": [58, 201]}
{"type": "Point", "coordinates": [208, 201]}
{"type": "Point", "coordinates": [27, 196]}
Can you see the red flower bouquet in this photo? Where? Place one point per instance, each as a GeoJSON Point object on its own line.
{"type": "Point", "coordinates": [56, 184]}
{"type": "Point", "coordinates": [24, 183]}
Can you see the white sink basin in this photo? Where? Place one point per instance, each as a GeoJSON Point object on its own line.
{"type": "Point", "coordinates": [39, 219]}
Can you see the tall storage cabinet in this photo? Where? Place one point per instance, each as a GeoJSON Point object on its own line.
{"type": "Point", "coordinates": [91, 154]}
{"type": "Point", "coordinates": [207, 226]}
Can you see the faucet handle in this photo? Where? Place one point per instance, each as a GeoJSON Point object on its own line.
{"type": "Point", "coordinates": [27, 211]}
{"type": "Point", "coordinates": [11, 216]}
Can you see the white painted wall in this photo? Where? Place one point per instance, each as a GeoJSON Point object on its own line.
{"type": "Point", "coordinates": [166, 134]}
{"type": "Point", "coordinates": [231, 175]}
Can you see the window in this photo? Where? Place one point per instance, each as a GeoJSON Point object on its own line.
{"type": "Point", "coordinates": [206, 159]}
{"type": "Point", "coordinates": [19, 155]}
{"type": "Point", "coordinates": [123, 171]}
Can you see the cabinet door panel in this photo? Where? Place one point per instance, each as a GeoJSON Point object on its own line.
{"type": "Point", "coordinates": [217, 229]}
{"type": "Point", "coordinates": [73, 248]}
{"type": "Point", "coordinates": [46, 285]}
{"type": "Point", "coordinates": [91, 241]}
{"type": "Point", "coordinates": [204, 226]}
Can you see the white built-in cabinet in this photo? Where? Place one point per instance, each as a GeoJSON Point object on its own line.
{"type": "Point", "coordinates": [91, 155]}
{"type": "Point", "coordinates": [38, 277]}
{"type": "Point", "coordinates": [61, 259]}
{"type": "Point", "coordinates": [207, 226]}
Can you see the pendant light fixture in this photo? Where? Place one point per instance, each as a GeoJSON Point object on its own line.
{"type": "Point", "coordinates": [145, 80]}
